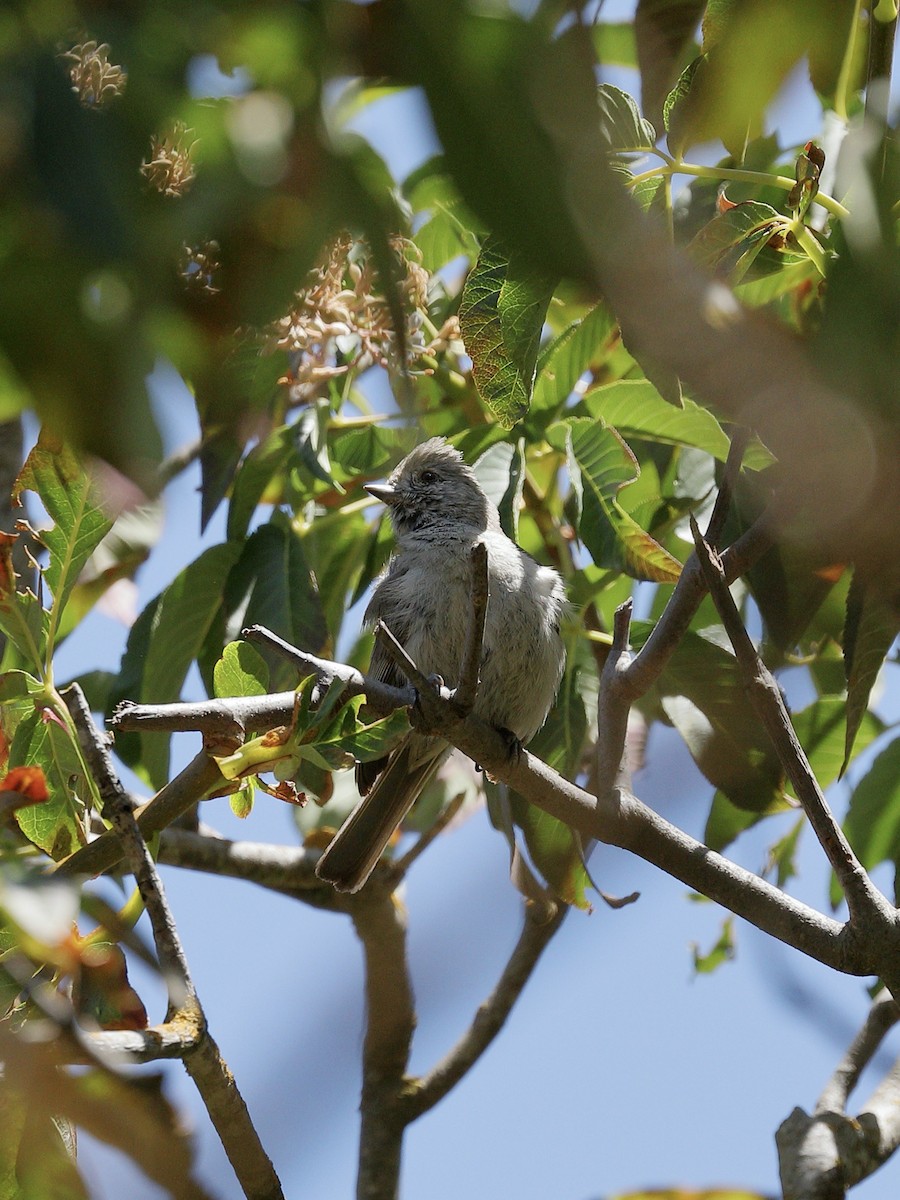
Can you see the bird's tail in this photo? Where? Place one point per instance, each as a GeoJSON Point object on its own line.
{"type": "Point", "coordinates": [357, 846]}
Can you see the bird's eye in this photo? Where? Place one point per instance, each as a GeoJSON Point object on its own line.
{"type": "Point", "coordinates": [429, 476]}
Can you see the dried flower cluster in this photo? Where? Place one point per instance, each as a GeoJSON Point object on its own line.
{"type": "Point", "coordinates": [198, 268]}
{"type": "Point", "coordinates": [171, 168]}
{"type": "Point", "coordinates": [95, 80]}
{"type": "Point", "coordinates": [341, 320]}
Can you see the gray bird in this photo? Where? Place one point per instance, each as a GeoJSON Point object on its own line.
{"type": "Point", "coordinates": [439, 512]}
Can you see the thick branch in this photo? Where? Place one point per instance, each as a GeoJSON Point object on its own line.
{"type": "Point", "coordinates": [823, 1155]}
{"type": "Point", "coordinates": [380, 923]}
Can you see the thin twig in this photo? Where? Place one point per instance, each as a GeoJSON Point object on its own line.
{"type": "Point", "coordinates": [613, 704]}
{"type": "Point", "coordinates": [204, 1064]}
{"type": "Point", "coordinates": [883, 1015]}
{"type": "Point", "coordinates": [719, 515]}
{"type": "Point", "coordinates": [490, 1017]}
{"type": "Point", "coordinates": [200, 777]}
{"type": "Point", "coordinates": [401, 865]}
{"type": "Point", "coordinates": [668, 633]}
{"type": "Point", "coordinates": [467, 685]}
{"type": "Point", "coordinates": [863, 899]}
{"type": "Point", "coordinates": [116, 808]}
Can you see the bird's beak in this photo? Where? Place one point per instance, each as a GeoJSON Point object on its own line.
{"type": "Point", "coordinates": [383, 492]}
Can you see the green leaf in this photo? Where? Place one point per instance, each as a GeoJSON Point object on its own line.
{"type": "Point", "coordinates": [22, 618]}
{"type": "Point", "coordinates": [821, 730]}
{"type": "Point", "coordinates": [565, 359]}
{"type": "Point", "coordinates": [164, 650]}
{"type": "Point", "coordinates": [870, 629]}
{"type": "Point", "coordinates": [555, 851]}
{"type": "Point", "coordinates": [271, 584]}
{"type": "Point", "coordinates": [873, 817]}
{"type": "Point", "coordinates": [264, 462]}
{"type": "Point", "coordinates": [59, 479]}
{"type": "Point", "coordinates": [602, 464]}
{"type": "Point", "coordinates": [664, 33]}
{"type": "Point", "coordinates": [674, 107]}
{"type": "Point", "coordinates": [723, 950]}
{"type": "Point", "coordinates": [732, 239]}
{"type": "Point", "coordinates": [614, 43]}
{"type": "Point", "coordinates": [622, 127]}
{"type": "Point", "coordinates": [635, 408]}
{"type": "Point", "coordinates": [501, 473]}
{"type": "Point", "coordinates": [241, 801]}
{"type": "Point", "coordinates": [501, 316]}
{"type": "Point", "coordinates": [240, 671]}
{"type": "Point", "coordinates": [57, 825]}
{"type": "Point", "coordinates": [726, 821]}
{"type": "Point", "coordinates": [702, 694]}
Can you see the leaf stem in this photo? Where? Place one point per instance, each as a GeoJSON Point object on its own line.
{"type": "Point", "coordinates": [739, 175]}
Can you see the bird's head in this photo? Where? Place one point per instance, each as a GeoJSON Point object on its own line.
{"type": "Point", "coordinates": [433, 488]}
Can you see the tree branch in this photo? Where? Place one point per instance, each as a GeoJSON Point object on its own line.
{"type": "Point", "coordinates": [821, 1156]}
{"type": "Point", "coordinates": [203, 1062]}
{"type": "Point", "coordinates": [380, 923]}
{"type": "Point", "coordinates": [865, 902]}
{"type": "Point", "coordinates": [537, 932]}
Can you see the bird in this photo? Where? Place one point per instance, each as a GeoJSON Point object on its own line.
{"type": "Point", "coordinates": [439, 512]}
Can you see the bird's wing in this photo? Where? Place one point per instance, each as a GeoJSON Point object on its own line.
{"type": "Point", "coordinates": [381, 666]}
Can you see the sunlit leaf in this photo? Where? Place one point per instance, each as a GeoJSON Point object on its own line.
{"type": "Point", "coordinates": [57, 825]}
{"type": "Point", "coordinates": [63, 486]}
{"type": "Point", "coordinates": [501, 315]}
{"type": "Point", "coordinates": [605, 465]}
{"type": "Point", "coordinates": [623, 128]}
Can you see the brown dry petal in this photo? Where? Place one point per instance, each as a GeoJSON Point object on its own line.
{"type": "Point", "coordinates": [341, 299]}
{"type": "Point", "coordinates": [171, 168]}
{"type": "Point", "coordinates": [95, 80]}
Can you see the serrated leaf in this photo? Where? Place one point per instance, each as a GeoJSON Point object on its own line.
{"type": "Point", "coordinates": [563, 362]}
{"type": "Point", "coordinates": [675, 107]}
{"type": "Point", "coordinates": [732, 239]}
{"type": "Point", "coordinates": [870, 628]}
{"type": "Point", "coordinates": [604, 464]}
{"type": "Point", "coordinates": [21, 617]}
{"type": "Point", "coordinates": [634, 407]}
{"type": "Point", "coordinates": [56, 825]}
{"type": "Point", "coordinates": [501, 316]}
{"type": "Point", "coordinates": [240, 671]}
{"type": "Point", "coordinates": [60, 481]}
{"type": "Point", "coordinates": [622, 127]}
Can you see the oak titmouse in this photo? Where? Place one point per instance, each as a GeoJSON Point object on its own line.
{"type": "Point", "coordinates": [439, 512]}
